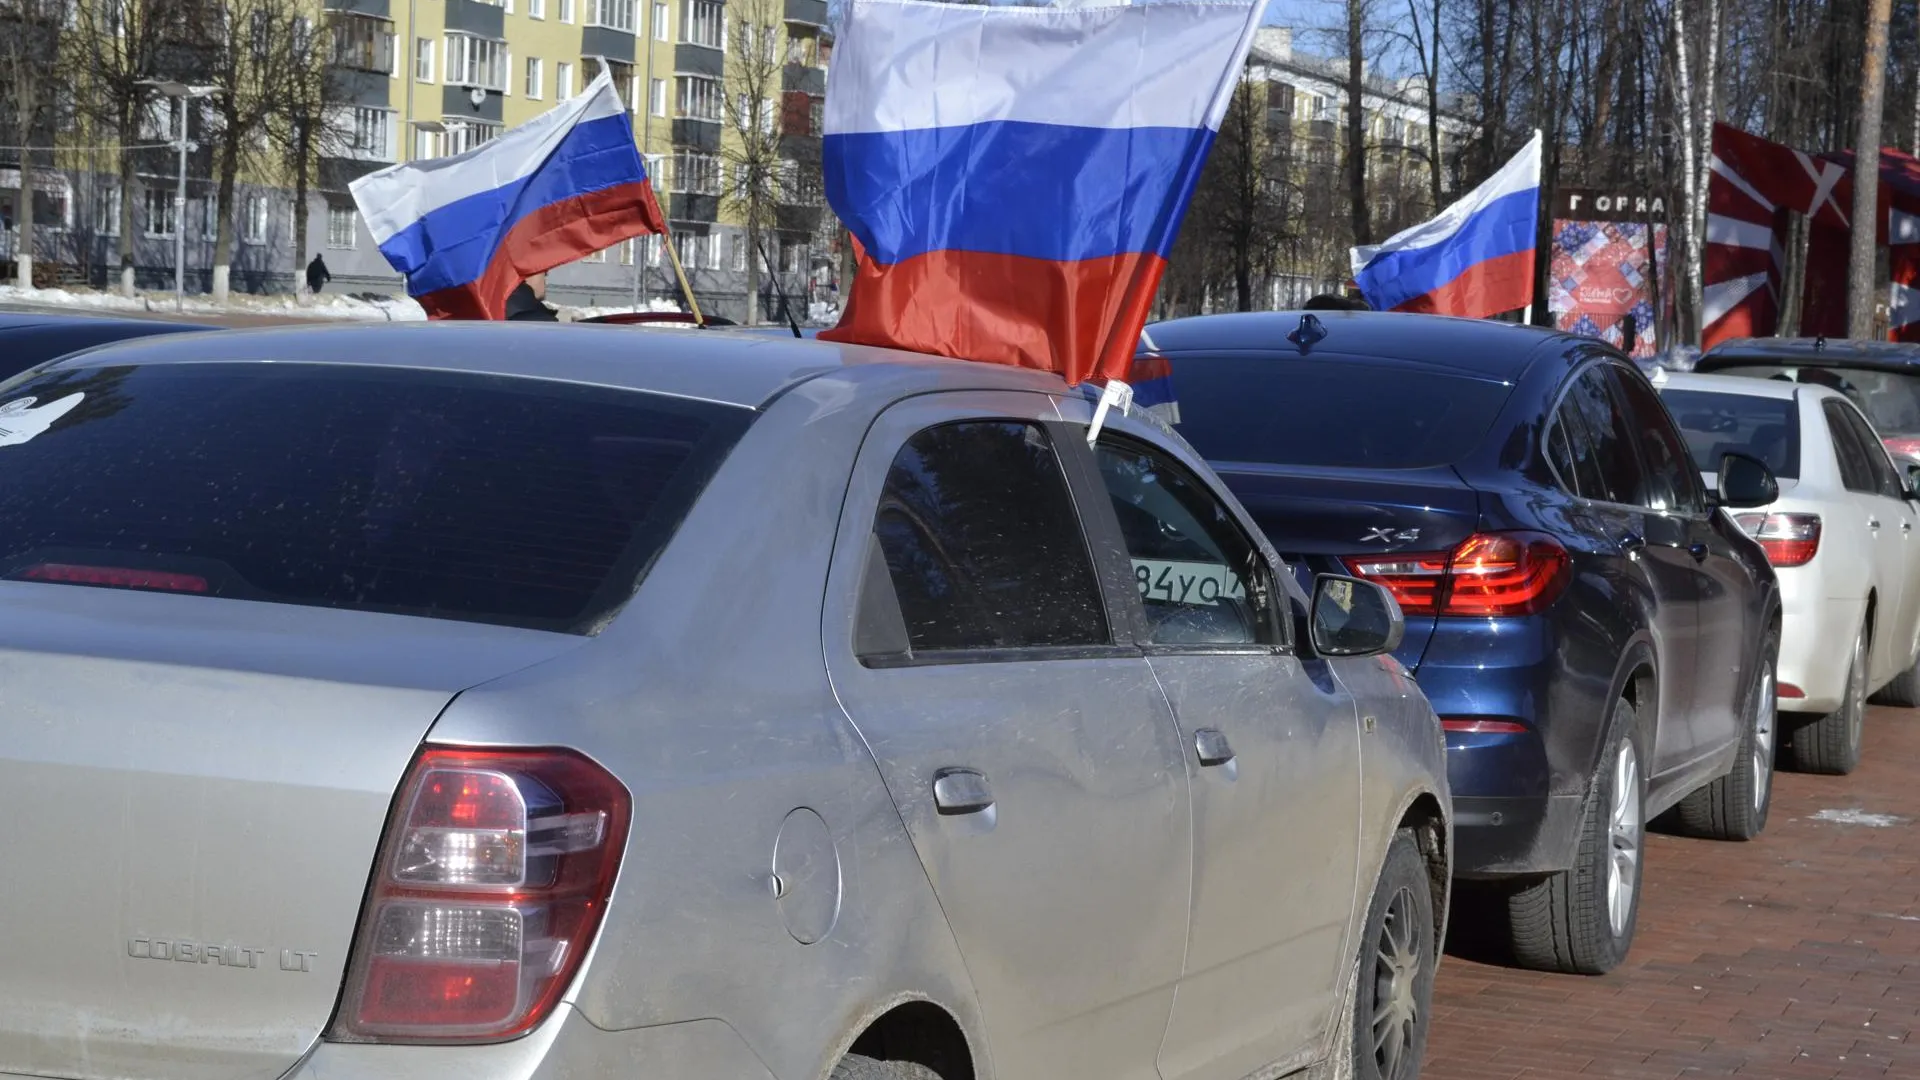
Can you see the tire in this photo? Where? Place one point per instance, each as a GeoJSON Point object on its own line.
{"type": "Point", "coordinates": [1392, 1007]}
{"type": "Point", "coordinates": [854, 1067]}
{"type": "Point", "coordinates": [1831, 745]}
{"type": "Point", "coordinates": [1734, 806]}
{"type": "Point", "coordinates": [1580, 921]}
{"type": "Point", "coordinates": [1903, 691]}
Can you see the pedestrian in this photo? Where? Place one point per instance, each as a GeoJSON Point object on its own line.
{"type": "Point", "coordinates": [527, 302]}
{"type": "Point", "coordinates": [317, 274]}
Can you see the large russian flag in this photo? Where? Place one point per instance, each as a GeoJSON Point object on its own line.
{"type": "Point", "coordinates": [466, 230]}
{"type": "Point", "coordinates": [1016, 175]}
{"type": "Point", "coordinates": [1476, 259]}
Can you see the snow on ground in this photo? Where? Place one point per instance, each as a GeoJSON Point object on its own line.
{"type": "Point", "coordinates": [324, 306]}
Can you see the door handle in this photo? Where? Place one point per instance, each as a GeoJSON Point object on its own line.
{"type": "Point", "coordinates": [1906, 526]}
{"type": "Point", "coordinates": [1873, 523]}
{"type": "Point", "coordinates": [961, 791]}
{"type": "Point", "coordinates": [1212, 747]}
{"type": "Point", "coordinates": [1632, 544]}
{"type": "Point", "coordinates": [1698, 551]}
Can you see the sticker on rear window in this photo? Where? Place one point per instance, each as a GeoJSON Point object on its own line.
{"type": "Point", "coordinates": [21, 420]}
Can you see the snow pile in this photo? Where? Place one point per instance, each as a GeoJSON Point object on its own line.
{"type": "Point", "coordinates": [653, 304]}
{"type": "Point", "coordinates": [362, 307]}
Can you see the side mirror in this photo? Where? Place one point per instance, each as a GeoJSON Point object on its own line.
{"type": "Point", "coordinates": [1746, 482]}
{"type": "Point", "coordinates": [1354, 618]}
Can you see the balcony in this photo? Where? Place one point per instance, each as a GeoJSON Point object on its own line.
{"type": "Point", "coordinates": [804, 79]}
{"type": "Point", "coordinates": [684, 206]}
{"type": "Point", "coordinates": [807, 12]}
{"type": "Point", "coordinates": [696, 134]}
{"type": "Point", "coordinates": [379, 9]}
{"type": "Point", "coordinates": [797, 220]}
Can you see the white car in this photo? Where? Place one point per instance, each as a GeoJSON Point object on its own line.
{"type": "Point", "coordinates": [1844, 538]}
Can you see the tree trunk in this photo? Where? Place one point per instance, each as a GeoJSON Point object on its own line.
{"type": "Point", "coordinates": [1357, 122]}
{"type": "Point", "coordinates": [753, 269]}
{"type": "Point", "coordinates": [1862, 288]}
{"type": "Point", "coordinates": [23, 211]}
{"type": "Point", "coordinates": [223, 209]}
{"type": "Point", "coordinates": [126, 222]}
{"type": "Point", "coordinates": [1690, 253]}
{"type": "Point", "coordinates": [1436, 163]}
{"type": "Point", "coordinates": [303, 164]}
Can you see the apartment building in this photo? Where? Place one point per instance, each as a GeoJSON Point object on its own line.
{"type": "Point", "coordinates": [418, 79]}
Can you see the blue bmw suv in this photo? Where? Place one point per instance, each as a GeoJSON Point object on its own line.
{"type": "Point", "coordinates": [1597, 636]}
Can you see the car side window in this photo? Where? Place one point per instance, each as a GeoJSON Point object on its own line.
{"type": "Point", "coordinates": [1886, 479]}
{"type": "Point", "coordinates": [1672, 481]}
{"type": "Point", "coordinates": [1616, 466]}
{"type": "Point", "coordinates": [1201, 580]}
{"type": "Point", "coordinates": [982, 545]}
{"type": "Point", "coordinates": [1579, 472]}
{"type": "Point", "coordinates": [1856, 468]}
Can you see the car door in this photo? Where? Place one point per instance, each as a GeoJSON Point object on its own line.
{"type": "Point", "coordinates": [1031, 753]}
{"type": "Point", "coordinates": [1724, 587]}
{"type": "Point", "coordinates": [1875, 487]}
{"type": "Point", "coordinates": [1273, 750]}
{"type": "Point", "coordinates": [1874, 514]}
{"type": "Point", "coordinates": [1641, 550]}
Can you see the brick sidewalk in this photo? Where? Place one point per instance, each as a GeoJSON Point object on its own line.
{"type": "Point", "coordinates": [1796, 955]}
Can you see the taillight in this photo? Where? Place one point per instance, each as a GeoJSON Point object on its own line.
{"type": "Point", "coordinates": [1902, 445]}
{"type": "Point", "coordinates": [1788, 539]}
{"type": "Point", "coordinates": [116, 577]}
{"type": "Point", "coordinates": [488, 889]}
{"type": "Point", "coordinates": [1478, 725]}
{"type": "Point", "coordinates": [1486, 574]}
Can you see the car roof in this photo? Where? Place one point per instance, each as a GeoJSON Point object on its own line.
{"type": "Point", "coordinates": [1732, 384]}
{"type": "Point", "coordinates": [1496, 350]}
{"type": "Point", "coordinates": [731, 368]}
{"type": "Point", "coordinates": [1812, 352]}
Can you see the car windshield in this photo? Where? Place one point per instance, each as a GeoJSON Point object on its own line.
{"type": "Point", "coordinates": [514, 501]}
{"type": "Point", "coordinates": [1891, 400]}
{"type": "Point", "coordinates": [1337, 412]}
{"type": "Point", "coordinates": [1716, 425]}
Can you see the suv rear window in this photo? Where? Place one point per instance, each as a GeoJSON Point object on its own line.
{"type": "Point", "coordinates": [1331, 412]}
{"type": "Point", "coordinates": [1890, 399]}
{"type": "Point", "coordinates": [512, 501]}
{"type": "Point", "coordinates": [1719, 424]}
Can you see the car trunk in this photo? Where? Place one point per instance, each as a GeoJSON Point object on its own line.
{"type": "Point", "coordinates": [1316, 516]}
{"type": "Point", "coordinates": [197, 789]}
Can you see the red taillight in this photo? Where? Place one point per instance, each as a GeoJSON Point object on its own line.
{"type": "Point", "coordinates": [1903, 445]}
{"type": "Point", "coordinates": [1788, 539]}
{"type": "Point", "coordinates": [119, 577]}
{"type": "Point", "coordinates": [1474, 725]}
{"type": "Point", "coordinates": [1788, 690]}
{"type": "Point", "coordinates": [489, 887]}
{"type": "Point", "coordinates": [1487, 574]}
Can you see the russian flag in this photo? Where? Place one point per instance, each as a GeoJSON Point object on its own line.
{"type": "Point", "coordinates": [1476, 259]}
{"type": "Point", "coordinates": [466, 230]}
{"type": "Point", "coordinates": [1015, 175]}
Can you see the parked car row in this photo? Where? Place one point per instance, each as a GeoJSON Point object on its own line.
{"type": "Point", "coordinates": [544, 700]}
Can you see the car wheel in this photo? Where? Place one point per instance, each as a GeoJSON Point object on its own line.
{"type": "Point", "coordinates": [854, 1067]}
{"type": "Point", "coordinates": [1580, 921]}
{"type": "Point", "coordinates": [1734, 806]}
{"type": "Point", "coordinates": [1393, 990]}
{"type": "Point", "coordinates": [1903, 691]}
{"type": "Point", "coordinates": [1831, 744]}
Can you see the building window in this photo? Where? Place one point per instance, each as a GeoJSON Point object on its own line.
{"type": "Point", "coordinates": [423, 59]}
{"type": "Point", "coordinates": [343, 226]}
{"type": "Point", "coordinates": [740, 256]}
{"type": "Point", "coordinates": [476, 61]}
{"type": "Point", "coordinates": [372, 133]}
{"type": "Point", "coordinates": [465, 135]}
{"type": "Point", "coordinates": [536, 9]}
{"type": "Point", "coordinates": [612, 14]}
{"type": "Point", "coordinates": [703, 22]}
{"type": "Point", "coordinates": [426, 144]}
{"type": "Point", "coordinates": [566, 12]}
{"type": "Point", "coordinates": [660, 22]}
{"type": "Point", "coordinates": [160, 211]}
{"type": "Point", "coordinates": [695, 173]}
{"type": "Point", "coordinates": [700, 98]}
{"type": "Point", "coordinates": [563, 80]}
{"type": "Point", "coordinates": [106, 209]}
{"type": "Point", "coordinates": [255, 231]}
{"type": "Point", "coordinates": [363, 43]}
{"type": "Point", "coordinates": [595, 256]}
{"type": "Point", "coordinates": [657, 98]}
{"type": "Point", "coordinates": [533, 78]}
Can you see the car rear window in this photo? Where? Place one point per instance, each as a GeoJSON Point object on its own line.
{"type": "Point", "coordinates": [1719, 424]}
{"type": "Point", "coordinates": [514, 501]}
{"type": "Point", "coordinates": [1890, 400]}
{"type": "Point", "coordinates": [1331, 412]}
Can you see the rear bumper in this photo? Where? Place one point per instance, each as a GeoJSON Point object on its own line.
{"type": "Point", "coordinates": [1816, 639]}
{"type": "Point", "coordinates": [1504, 837]}
{"type": "Point", "coordinates": [565, 1046]}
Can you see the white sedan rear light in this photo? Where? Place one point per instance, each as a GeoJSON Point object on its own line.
{"type": "Point", "coordinates": [490, 885]}
{"type": "Point", "coordinates": [1788, 539]}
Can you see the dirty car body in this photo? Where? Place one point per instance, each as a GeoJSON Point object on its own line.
{"type": "Point", "coordinates": [525, 701]}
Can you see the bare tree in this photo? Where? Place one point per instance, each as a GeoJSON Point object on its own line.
{"type": "Point", "coordinates": [30, 71]}
{"type": "Point", "coordinates": [250, 67]}
{"type": "Point", "coordinates": [1426, 46]}
{"type": "Point", "coordinates": [1357, 11]}
{"type": "Point", "coordinates": [117, 44]}
{"type": "Point", "coordinates": [757, 180]}
{"type": "Point", "coordinates": [1861, 286]}
{"type": "Point", "coordinates": [307, 122]}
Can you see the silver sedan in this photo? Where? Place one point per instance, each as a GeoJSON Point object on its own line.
{"type": "Point", "coordinates": [521, 701]}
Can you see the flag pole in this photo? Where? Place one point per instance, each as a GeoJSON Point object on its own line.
{"type": "Point", "coordinates": [685, 288]}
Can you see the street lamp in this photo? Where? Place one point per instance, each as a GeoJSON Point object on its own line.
{"type": "Point", "coordinates": [183, 93]}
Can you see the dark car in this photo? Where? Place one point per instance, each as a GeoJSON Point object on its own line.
{"type": "Point", "coordinates": [28, 339]}
{"type": "Point", "coordinates": [1597, 637]}
{"type": "Point", "coordinates": [1881, 377]}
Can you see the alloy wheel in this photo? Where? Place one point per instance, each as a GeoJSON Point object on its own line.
{"type": "Point", "coordinates": [1396, 1001]}
{"type": "Point", "coordinates": [1624, 836]}
{"type": "Point", "coordinates": [1765, 723]}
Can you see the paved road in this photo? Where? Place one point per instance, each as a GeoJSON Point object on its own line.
{"type": "Point", "coordinates": [1794, 956]}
